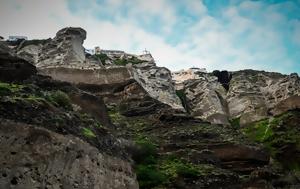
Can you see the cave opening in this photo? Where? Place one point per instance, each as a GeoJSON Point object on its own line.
{"type": "Point", "coordinates": [224, 78]}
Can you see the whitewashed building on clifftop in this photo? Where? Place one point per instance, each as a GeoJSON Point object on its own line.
{"type": "Point", "coordinates": [98, 50]}
{"type": "Point", "coordinates": [191, 73]}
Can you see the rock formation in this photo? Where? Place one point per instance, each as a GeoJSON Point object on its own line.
{"type": "Point", "coordinates": [75, 120]}
{"type": "Point", "coordinates": [63, 59]}
{"type": "Point", "coordinates": [39, 158]}
{"type": "Point", "coordinates": [205, 97]}
{"type": "Point", "coordinates": [157, 81]}
{"type": "Point", "coordinates": [64, 50]}
{"type": "Point", "coordinates": [246, 95]}
{"type": "Point", "coordinates": [253, 94]}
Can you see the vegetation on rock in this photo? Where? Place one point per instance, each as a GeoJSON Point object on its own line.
{"type": "Point", "coordinates": [281, 136]}
{"type": "Point", "coordinates": [88, 133]}
{"type": "Point", "coordinates": [123, 61]}
{"type": "Point", "coordinates": [102, 57]}
{"type": "Point", "coordinates": [59, 98]}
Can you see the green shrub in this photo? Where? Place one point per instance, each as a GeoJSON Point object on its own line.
{"type": "Point", "coordinates": [102, 57]}
{"type": "Point", "coordinates": [88, 133]}
{"type": "Point", "coordinates": [260, 131]}
{"type": "Point", "coordinates": [146, 152]}
{"type": "Point", "coordinates": [149, 176]}
{"type": "Point", "coordinates": [187, 170]}
{"type": "Point", "coordinates": [278, 137]}
{"type": "Point", "coordinates": [132, 60]}
{"type": "Point", "coordinates": [59, 98]}
{"type": "Point", "coordinates": [121, 62]}
{"type": "Point", "coordinates": [7, 88]}
{"type": "Point", "coordinates": [182, 97]}
{"type": "Point", "coordinates": [235, 123]}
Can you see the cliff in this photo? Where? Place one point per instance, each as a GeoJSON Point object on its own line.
{"type": "Point", "coordinates": [75, 120]}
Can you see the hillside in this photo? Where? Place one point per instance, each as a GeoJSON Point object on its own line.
{"type": "Point", "coordinates": [69, 119]}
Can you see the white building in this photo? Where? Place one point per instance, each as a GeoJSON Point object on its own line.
{"type": "Point", "coordinates": [108, 52]}
{"type": "Point", "coordinates": [90, 51]}
{"type": "Point", "coordinates": [191, 73]}
{"type": "Point", "coordinates": [16, 38]}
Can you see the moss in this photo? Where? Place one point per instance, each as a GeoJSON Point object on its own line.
{"type": "Point", "coordinates": [173, 167]}
{"type": "Point", "coordinates": [8, 88]}
{"type": "Point", "coordinates": [154, 170]}
{"type": "Point", "coordinates": [133, 125]}
{"type": "Point", "coordinates": [88, 133]}
{"type": "Point", "coordinates": [183, 99]}
{"type": "Point", "coordinates": [235, 123]}
{"type": "Point", "coordinates": [89, 120]}
{"type": "Point", "coordinates": [260, 131]}
{"type": "Point", "coordinates": [278, 137]}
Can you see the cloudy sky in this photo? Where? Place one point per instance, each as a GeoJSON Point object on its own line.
{"type": "Point", "coordinates": [214, 34]}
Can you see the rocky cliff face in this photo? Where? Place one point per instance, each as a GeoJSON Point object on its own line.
{"type": "Point", "coordinates": [63, 59]}
{"type": "Point", "coordinates": [38, 158]}
{"type": "Point", "coordinates": [64, 50]}
{"type": "Point", "coordinates": [69, 120]}
{"type": "Point", "coordinates": [205, 98]}
{"type": "Point", "coordinates": [157, 82]}
{"type": "Point", "coordinates": [246, 95]}
{"type": "Point", "coordinates": [54, 135]}
{"type": "Point", "coordinates": [253, 94]}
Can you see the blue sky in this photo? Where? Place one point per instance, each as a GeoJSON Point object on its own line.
{"type": "Point", "coordinates": [212, 34]}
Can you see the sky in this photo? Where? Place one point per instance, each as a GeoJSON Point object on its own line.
{"type": "Point", "coordinates": [212, 34]}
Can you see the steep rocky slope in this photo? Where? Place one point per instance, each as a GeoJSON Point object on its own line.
{"type": "Point", "coordinates": [73, 120]}
{"type": "Point", "coordinates": [50, 138]}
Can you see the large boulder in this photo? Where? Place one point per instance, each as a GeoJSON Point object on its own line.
{"type": "Point", "coordinates": [205, 98]}
{"type": "Point", "coordinates": [64, 50]}
{"type": "Point", "coordinates": [136, 101]}
{"type": "Point", "coordinates": [157, 81]}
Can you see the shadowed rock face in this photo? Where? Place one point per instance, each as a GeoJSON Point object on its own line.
{"type": "Point", "coordinates": [13, 68]}
{"type": "Point", "coordinates": [38, 158]}
{"type": "Point", "coordinates": [224, 78]}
